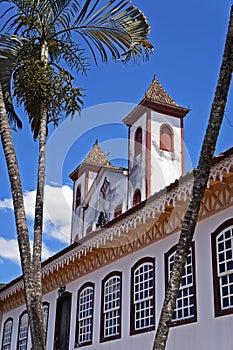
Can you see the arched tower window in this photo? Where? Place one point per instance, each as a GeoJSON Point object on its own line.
{"type": "Point", "coordinates": [138, 141]}
{"type": "Point", "coordinates": [166, 138]}
{"type": "Point", "coordinates": [137, 197]}
{"type": "Point", "coordinates": [78, 196]}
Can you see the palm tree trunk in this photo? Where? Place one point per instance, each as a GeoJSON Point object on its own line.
{"type": "Point", "coordinates": [18, 202]}
{"type": "Point", "coordinates": [201, 176]}
{"type": "Point", "coordinates": [38, 330]}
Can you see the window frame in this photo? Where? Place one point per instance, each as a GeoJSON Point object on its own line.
{"type": "Point", "coordinates": [20, 318]}
{"type": "Point", "coordinates": [9, 319]}
{"type": "Point", "coordinates": [226, 225]}
{"type": "Point", "coordinates": [138, 141]}
{"type": "Point", "coordinates": [80, 291]}
{"type": "Point", "coordinates": [135, 267]}
{"type": "Point", "coordinates": [192, 319]}
{"type": "Point", "coordinates": [163, 145]}
{"type": "Point", "coordinates": [103, 337]}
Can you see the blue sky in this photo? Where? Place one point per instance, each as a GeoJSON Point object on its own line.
{"type": "Point", "coordinates": [188, 39]}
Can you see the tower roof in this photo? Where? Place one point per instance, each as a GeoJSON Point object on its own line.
{"type": "Point", "coordinates": [95, 160]}
{"type": "Point", "coordinates": [157, 99]}
{"type": "Point", "coordinates": [156, 93]}
{"type": "Point", "coordinates": [96, 156]}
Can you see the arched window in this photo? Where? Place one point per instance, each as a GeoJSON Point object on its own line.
{"type": "Point", "coordinates": [166, 138]}
{"type": "Point", "coordinates": [138, 141]}
{"type": "Point", "coordinates": [142, 296]}
{"type": "Point", "coordinates": [111, 307]}
{"type": "Point", "coordinates": [78, 196]}
{"type": "Point", "coordinates": [222, 248]}
{"type": "Point", "coordinates": [23, 331]}
{"type": "Point", "coordinates": [136, 197]}
{"type": "Point", "coordinates": [46, 318]}
{"type": "Point", "coordinates": [84, 324]}
{"type": "Point", "coordinates": [7, 332]}
{"type": "Point", "coordinates": [118, 210]}
{"type": "Point", "coordinates": [185, 310]}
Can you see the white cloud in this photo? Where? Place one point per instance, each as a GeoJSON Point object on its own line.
{"type": "Point", "coordinates": [57, 210]}
{"type": "Point", "coordinates": [6, 203]}
{"type": "Point", "coordinates": [10, 251]}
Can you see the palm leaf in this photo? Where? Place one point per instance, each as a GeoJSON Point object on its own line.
{"type": "Point", "coordinates": [10, 47]}
{"type": "Point", "coordinates": [114, 27]}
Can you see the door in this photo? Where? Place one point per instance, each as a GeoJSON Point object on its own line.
{"type": "Point", "coordinates": [62, 324]}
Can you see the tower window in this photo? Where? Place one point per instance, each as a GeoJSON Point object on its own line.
{"type": "Point", "coordinates": [166, 138]}
{"type": "Point", "coordinates": [78, 196]}
{"type": "Point", "coordinates": [105, 187]}
{"type": "Point", "coordinates": [136, 197]}
{"type": "Point", "coordinates": [138, 141]}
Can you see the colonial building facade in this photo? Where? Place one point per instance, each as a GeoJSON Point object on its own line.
{"type": "Point", "coordinates": [105, 290]}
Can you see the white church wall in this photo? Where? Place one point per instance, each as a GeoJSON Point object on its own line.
{"type": "Point", "coordinates": [209, 332]}
{"type": "Point", "coordinates": [116, 194]}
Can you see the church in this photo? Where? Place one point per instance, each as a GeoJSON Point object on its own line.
{"type": "Point", "coordinates": [106, 289]}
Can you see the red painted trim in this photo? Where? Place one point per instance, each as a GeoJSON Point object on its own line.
{"type": "Point", "coordinates": [129, 130]}
{"type": "Point", "coordinates": [86, 182]}
{"type": "Point", "coordinates": [148, 154]}
{"type": "Point", "coordinates": [182, 145]}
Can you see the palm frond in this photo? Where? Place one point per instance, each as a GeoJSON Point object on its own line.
{"type": "Point", "coordinates": [117, 27]}
{"type": "Point", "coordinates": [10, 46]}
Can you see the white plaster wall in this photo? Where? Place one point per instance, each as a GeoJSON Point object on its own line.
{"type": "Point", "coordinates": [91, 178]}
{"type": "Point", "coordinates": [164, 168]}
{"type": "Point", "coordinates": [208, 333]}
{"type": "Point", "coordinates": [116, 194]}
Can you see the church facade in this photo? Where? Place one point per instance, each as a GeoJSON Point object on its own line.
{"type": "Point", "coordinates": [106, 289]}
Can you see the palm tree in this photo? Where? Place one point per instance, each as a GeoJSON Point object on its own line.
{"type": "Point", "coordinates": [201, 176]}
{"type": "Point", "coordinates": [44, 41]}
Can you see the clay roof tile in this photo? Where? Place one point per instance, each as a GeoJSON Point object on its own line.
{"type": "Point", "coordinates": [156, 93]}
